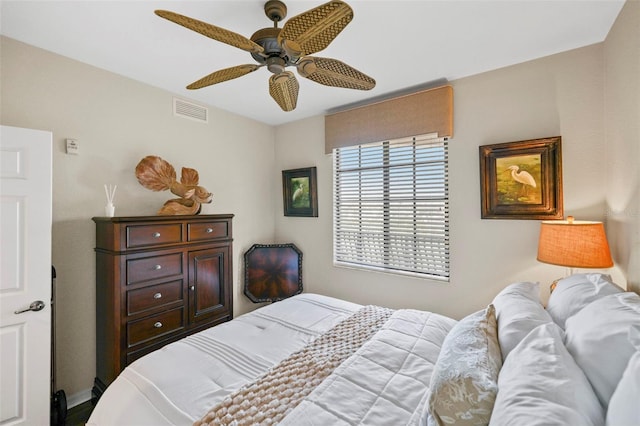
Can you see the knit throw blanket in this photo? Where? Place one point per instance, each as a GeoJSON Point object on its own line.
{"type": "Point", "coordinates": [271, 397]}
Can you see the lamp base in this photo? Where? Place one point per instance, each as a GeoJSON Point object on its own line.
{"type": "Point", "coordinates": [554, 284]}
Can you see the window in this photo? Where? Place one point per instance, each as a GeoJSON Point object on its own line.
{"type": "Point", "coordinates": [391, 209]}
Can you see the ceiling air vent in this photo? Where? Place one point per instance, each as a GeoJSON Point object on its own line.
{"type": "Point", "coordinates": [184, 109]}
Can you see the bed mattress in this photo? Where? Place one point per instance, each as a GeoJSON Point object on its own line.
{"type": "Point", "coordinates": [179, 384]}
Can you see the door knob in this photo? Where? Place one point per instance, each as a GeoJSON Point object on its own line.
{"type": "Point", "coordinates": [38, 305]}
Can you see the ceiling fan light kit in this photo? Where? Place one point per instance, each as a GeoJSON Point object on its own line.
{"type": "Point", "coordinates": [278, 48]}
{"type": "Point", "coordinates": [283, 88]}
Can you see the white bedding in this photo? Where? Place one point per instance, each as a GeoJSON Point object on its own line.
{"type": "Point", "coordinates": [181, 382]}
{"type": "Point", "coordinates": [385, 382]}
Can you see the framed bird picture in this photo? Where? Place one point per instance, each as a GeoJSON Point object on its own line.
{"type": "Point", "coordinates": [299, 192]}
{"type": "Point", "coordinates": [522, 180]}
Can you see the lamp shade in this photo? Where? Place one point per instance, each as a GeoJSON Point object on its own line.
{"type": "Point", "coordinates": [575, 244]}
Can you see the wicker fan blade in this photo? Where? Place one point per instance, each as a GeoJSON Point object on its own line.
{"type": "Point", "coordinates": [223, 75]}
{"type": "Point", "coordinates": [332, 72]}
{"type": "Point", "coordinates": [314, 30]}
{"type": "Point", "coordinates": [211, 31]}
{"type": "Point", "coordinates": [283, 88]}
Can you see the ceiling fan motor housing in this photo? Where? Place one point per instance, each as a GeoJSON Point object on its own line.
{"type": "Point", "coordinates": [274, 56]}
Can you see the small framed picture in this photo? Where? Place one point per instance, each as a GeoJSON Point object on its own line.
{"type": "Point", "coordinates": [299, 192]}
{"type": "Point", "coordinates": [522, 180]}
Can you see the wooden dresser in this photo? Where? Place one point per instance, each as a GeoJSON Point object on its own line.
{"type": "Point", "coordinates": [158, 279]}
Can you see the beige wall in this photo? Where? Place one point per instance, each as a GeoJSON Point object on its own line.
{"type": "Point", "coordinates": [557, 95]}
{"type": "Point", "coordinates": [622, 135]}
{"type": "Point", "coordinates": [118, 121]}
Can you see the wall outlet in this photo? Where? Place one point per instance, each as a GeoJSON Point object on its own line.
{"type": "Point", "coordinates": [72, 147]}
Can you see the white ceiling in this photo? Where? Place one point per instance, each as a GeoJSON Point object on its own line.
{"type": "Point", "coordinates": [401, 44]}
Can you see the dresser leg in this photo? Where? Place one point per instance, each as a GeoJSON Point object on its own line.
{"type": "Point", "coordinates": [97, 390]}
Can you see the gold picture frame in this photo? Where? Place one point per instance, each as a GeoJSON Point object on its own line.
{"type": "Point", "coordinates": [522, 180]}
{"type": "Point", "coordinates": [299, 192]}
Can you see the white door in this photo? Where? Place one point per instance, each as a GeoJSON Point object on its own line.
{"type": "Point", "coordinates": [25, 276]}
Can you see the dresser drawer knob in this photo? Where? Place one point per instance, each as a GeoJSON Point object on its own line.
{"type": "Point", "coordinates": [157, 295]}
{"type": "Point", "coordinates": [156, 235]}
{"type": "Point", "coordinates": [193, 287]}
{"type": "Point", "coordinates": [157, 267]}
{"type": "Point", "coordinates": [209, 230]}
{"type": "Point", "coordinates": [158, 324]}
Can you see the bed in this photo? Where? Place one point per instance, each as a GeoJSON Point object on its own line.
{"type": "Point", "coordinates": [317, 360]}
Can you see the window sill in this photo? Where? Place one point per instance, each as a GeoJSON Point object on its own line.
{"type": "Point", "coordinates": [366, 268]}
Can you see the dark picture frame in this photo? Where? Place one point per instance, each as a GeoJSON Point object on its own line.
{"type": "Point", "coordinates": [272, 272]}
{"type": "Point", "coordinates": [299, 192]}
{"type": "Point", "coordinates": [522, 180]}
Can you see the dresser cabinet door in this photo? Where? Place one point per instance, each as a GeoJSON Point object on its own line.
{"type": "Point", "coordinates": [209, 269]}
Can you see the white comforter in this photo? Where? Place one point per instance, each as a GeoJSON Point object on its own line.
{"type": "Point", "coordinates": [386, 380]}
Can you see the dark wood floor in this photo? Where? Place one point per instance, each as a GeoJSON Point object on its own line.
{"type": "Point", "coordinates": [78, 415]}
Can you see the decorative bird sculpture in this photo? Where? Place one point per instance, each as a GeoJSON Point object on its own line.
{"type": "Point", "coordinates": [156, 174]}
{"type": "Point", "coordinates": [523, 177]}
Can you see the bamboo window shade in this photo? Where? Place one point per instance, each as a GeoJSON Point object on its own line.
{"type": "Point", "coordinates": [428, 111]}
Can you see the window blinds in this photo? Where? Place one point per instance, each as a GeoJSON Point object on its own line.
{"type": "Point", "coordinates": [391, 208]}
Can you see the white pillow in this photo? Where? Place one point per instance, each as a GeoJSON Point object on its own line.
{"type": "Point", "coordinates": [540, 384]}
{"type": "Point", "coordinates": [577, 291]}
{"type": "Point", "coordinates": [518, 311]}
{"type": "Point", "coordinates": [464, 380]}
{"type": "Point", "coordinates": [598, 339]}
{"type": "Point", "coordinates": [623, 407]}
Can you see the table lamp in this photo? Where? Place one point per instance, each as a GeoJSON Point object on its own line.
{"type": "Point", "coordinates": [574, 244]}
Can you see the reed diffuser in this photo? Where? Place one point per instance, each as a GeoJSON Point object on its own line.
{"type": "Point", "coordinates": [110, 192]}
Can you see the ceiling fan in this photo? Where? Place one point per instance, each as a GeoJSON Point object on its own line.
{"type": "Point", "coordinates": [277, 48]}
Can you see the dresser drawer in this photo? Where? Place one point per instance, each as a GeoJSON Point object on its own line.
{"type": "Point", "coordinates": [153, 267]}
{"type": "Point", "coordinates": [150, 235]}
{"type": "Point", "coordinates": [154, 326]}
{"type": "Point", "coordinates": [154, 296]}
{"type": "Point", "coordinates": [207, 231]}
